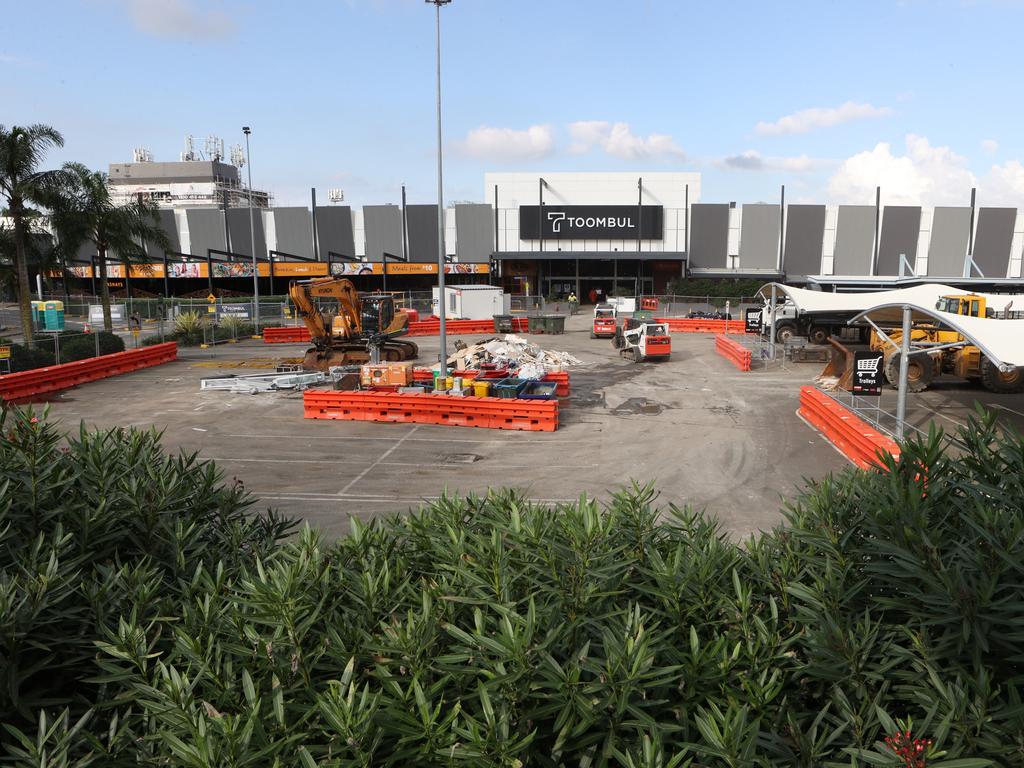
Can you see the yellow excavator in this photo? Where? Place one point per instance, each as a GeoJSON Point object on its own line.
{"type": "Point", "coordinates": [361, 329]}
{"type": "Point", "coordinates": [953, 354]}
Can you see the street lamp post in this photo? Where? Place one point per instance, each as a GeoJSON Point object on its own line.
{"type": "Point", "coordinates": [440, 199]}
{"type": "Point", "coordinates": [252, 239]}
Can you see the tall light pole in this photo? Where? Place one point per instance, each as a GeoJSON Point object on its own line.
{"type": "Point", "coordinates": [252, 239]}
{"type": "Point", "coordinates": [440, 198]}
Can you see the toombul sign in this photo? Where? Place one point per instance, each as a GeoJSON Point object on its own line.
{"type": "Point", "coordinates": [590, 222]}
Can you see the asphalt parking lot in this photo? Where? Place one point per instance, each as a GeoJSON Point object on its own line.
{"type": "Point", "coordinates": [704, 432]}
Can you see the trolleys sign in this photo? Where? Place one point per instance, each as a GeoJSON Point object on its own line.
{"type": "Point", "coordinates": [591, 222]}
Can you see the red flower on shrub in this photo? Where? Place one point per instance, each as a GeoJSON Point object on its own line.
{"type": "Point", "coordinates": [913, 752]}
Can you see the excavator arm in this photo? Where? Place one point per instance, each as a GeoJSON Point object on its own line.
{"type": "Point", "coordinates": [302, 293]}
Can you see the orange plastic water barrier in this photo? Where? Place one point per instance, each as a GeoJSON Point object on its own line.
{"type": "Point", "coordinates": [297, 334]}
{"type": "Point", "coordinates": [735, 353]}
{"type": "Point", "coordinates": [292, 334]}
{"type": "Point", "coordinates": [858, 441]}
{"type": "Point", "coordinates": [701, 325]}
{"type": "Point", "coordinates": [487, 412]}
{"type": "Point", "coordinates": [23, 386]}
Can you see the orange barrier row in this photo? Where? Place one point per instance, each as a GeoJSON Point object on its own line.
{"type": "Point", "coordinates": [23, 386]}
{"type": "Point", "coordinates": [297, 334]}
{"type": "Point", "coordinates": [701, 325]}
{"type": "Point", "coordinates": [487, 412]}
{"type": "Point", "coordinates": [735, 353]}
{"type": "Point", "coordinates": [426, 375]}
{"type": "Point", "coordinates": [292, 334]}
{"type": "Point", "coordinates": [432, 326]}
{"type": "Point", "coordinates": [859, 442]}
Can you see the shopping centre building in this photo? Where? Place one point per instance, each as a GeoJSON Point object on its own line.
{"type": "Point", "coordinates": [556, 233]}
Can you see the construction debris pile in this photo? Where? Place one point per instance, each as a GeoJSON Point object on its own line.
{"type": "Point", "coordinates": [251, 384]}
{"type": "Point", "coordinates": [513, 352]}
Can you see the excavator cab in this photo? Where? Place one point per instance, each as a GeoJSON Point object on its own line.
{"type": "Point", "coordinates": [377, 312]}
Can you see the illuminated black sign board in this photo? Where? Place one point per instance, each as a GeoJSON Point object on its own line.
{"type": "Point", "coordinates": [591, 222]}
{"type": "Point", "coordinates": [752, 320]}
{"type": "Point", "coordinates": [867, 374]}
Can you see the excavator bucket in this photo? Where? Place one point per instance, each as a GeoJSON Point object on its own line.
{"type": "Point", "coordinates": [838, 372]}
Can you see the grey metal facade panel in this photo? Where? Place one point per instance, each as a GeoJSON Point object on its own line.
{"type": "Point", "coordinates": [422, 223]}
{"type": "Point", "coordinates": [293, 230]}
{"type": "Point", "coordinates": [993, 240]}
{"type": "Point", "coordinates": [901, 227]}
{"type": "Point", "coordinates": [805, 235]}
{"type": "Point", "coordinates": [170, 227]}
{"type": "Point", "coordinates": [474, 233]}
{"type": "Point", "coordinates": [205, 230]}
{"type": "Point", "coordinates": [951, 227]}
{"type": "Point", "coordinates": [759, 236]}
{"type": "Point", "coordinates": [238, 230]}
{"type": "Point", "coordinates": [334, 231]}
{"type": "Point", "coordinates": [855, 240]}
{"type": "Point", "coordinates": [86, 253]}
{"type": "Point", "coordinates": [709, 235]}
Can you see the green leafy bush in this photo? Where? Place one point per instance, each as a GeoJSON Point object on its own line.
{"type": "Point", "coordinates": [189, 328]}
{"type": "Point", "coordinates": [155, 622]}
{"type": "Point", "coordinates": [39, 355]}
{"type": "Point", "coordinates": [81, 346]}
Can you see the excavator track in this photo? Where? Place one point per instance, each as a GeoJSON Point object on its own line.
{"type": "Point", "coordinates": [355, 353]}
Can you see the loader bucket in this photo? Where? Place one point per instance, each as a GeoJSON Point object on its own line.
{"type": "Point", "coordinates": [838, 372]}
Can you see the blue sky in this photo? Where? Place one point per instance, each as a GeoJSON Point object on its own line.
{"type": "Point", "coordinates": [829, 98]}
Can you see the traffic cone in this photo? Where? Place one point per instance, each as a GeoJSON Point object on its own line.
{"type": "Point", "coordinates": [87, 328]}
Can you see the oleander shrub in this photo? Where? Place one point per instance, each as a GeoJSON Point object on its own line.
{"type": "Point", "coordinates": [151, 617]}
{"type": "Point", "coordinates": [81, 346]}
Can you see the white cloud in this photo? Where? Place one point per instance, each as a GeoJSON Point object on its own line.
{"type": "Point", "coordinates": [1003, 185]}
{"type": "Point", "coordinates": [618, 140]}
{"type": "Point", "coordinates": [178, 19]}
{"type": "Point", "coordinates": [924, 175]}
{"type": "Point", "coordinates": [989, 146]}
{"type": "Point", "coordinates": [820, 117]}
{"type": "Point", "coordinates": [752, 160]}
{"type": "Point", "coordinates": [509, 144]}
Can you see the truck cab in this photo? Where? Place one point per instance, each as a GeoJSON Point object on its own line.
{"type": "Point", "coordinates": [605, 316]}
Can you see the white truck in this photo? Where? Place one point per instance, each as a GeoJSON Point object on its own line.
{"type": "Point", "coordinates": [816, 328]}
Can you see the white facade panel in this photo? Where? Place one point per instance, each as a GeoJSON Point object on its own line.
{"type": "Point", "coordinates": [359, 232]}
{"type": "Point", "coordinates": [667, 189]}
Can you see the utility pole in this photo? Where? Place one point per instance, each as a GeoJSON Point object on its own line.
{"type": "Point", "coordinates": [252, 239]}
{"type": "Point", "coordinates": [443, 354]}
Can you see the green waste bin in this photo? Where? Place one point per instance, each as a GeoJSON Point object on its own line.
{"type": "Point", "coordinates": [503, 324]}
{"type": "Point", "coordinates": [536, 324]}
{"type": "Point", "coordinates": [554, 324]}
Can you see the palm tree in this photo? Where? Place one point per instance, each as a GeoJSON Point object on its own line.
{"type": "Point", "coordinates": [83, 211]}
{"type": "Point", "coordinates": [22, 183]}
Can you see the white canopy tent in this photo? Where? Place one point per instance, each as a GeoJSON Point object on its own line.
{"type": "Point", "coordinates": [1001, 341]}
{"type": "Point", "coordinates": [821, 302]}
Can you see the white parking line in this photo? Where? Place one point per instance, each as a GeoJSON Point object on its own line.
{"type": "Point", "coordinates": [335, 499]}
{"type": "Point", "coordinates": [412, 440]}
{"type": "Point", "coordinates": [1004, 408]}
{"type": "Point", "coordinates": [947, 418]}
{"type": "Point", "coordinates": [386, 453]}
{"type": "Point", "coordinates": [435, 464]}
